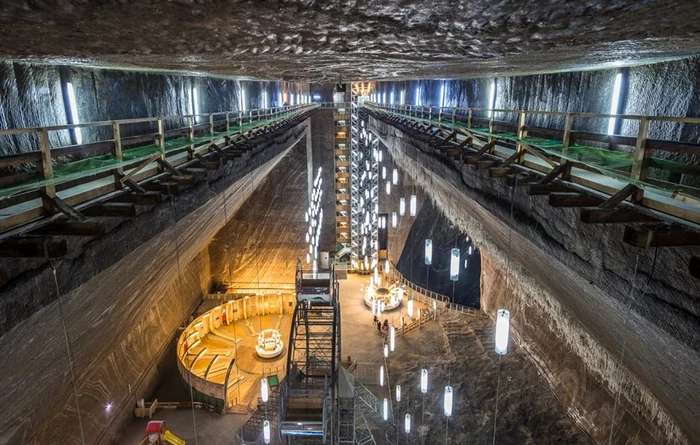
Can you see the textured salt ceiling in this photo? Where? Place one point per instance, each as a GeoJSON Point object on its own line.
{"type": "Point", "coordinates": [350, 40]}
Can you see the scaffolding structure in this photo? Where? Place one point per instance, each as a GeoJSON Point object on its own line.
{"type": "Point", "coordinates": [341, 133]}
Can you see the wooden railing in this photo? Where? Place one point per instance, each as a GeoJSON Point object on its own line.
{"type": "Point", "coordinates": [119, 151]}
{"type": "Point", "coordinates": [671, 178]}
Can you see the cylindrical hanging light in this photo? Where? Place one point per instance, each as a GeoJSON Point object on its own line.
{"type": "Point", "coordinates": [428, 252]}
{"type": "Point", "coordinates": [264, 390]}
{"type": "Point", "coordinates": [383, 172]}
{"type": "Point", "coordinates": [412, 205]}
{"type": "Point", "coordinates": [394, 220]}
{"type": "Point", "coordinates": [388, 187]}
{"type": "Point", "coordinates": [380, 156]}
{"type": "Point", "coordinates": [398, 393]}
{"type": "Point", "coordinates": [386, 350]}
{"type": "Point", "coordinates": [410, 307]}
{"type": "Point", "coordinates": [424, 381]}
{"type": "Point", "coordinates": [447, 402]}
{"type": "Point", "coordinates": [266, 431]}
{"type": "Point", "coordinates": [407, 424]}
{"type": "Point", "coordinates": [381, 375]}
{"type": "Point", "coordinates": [392, 338]}
{"type": "Point", "coordinates": [385, 409]}
{"type": "Point", "coordinates": [387, 266]}
{"type": "Point", "coordinates": [395, 176]}
{"type": "Point", "coordinates": [502, 329]}
{"type": "Point", "coordinates": [454, 265]}
{"type": "Point", "coordinates": [402, 206]}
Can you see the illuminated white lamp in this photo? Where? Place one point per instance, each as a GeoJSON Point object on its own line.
{"type": "Point", "coordinates": [266, 431]}
{"type": "Point", "coordinates": [398, 393]}
{"type": "Point", "coordinates": [502, 328]}
{"type": "Point", "coordinates": [410, 308]}
{"type": "Point", "coordinates": [385, 409]}
{"type": "Point", "coordinates": [407, 424]}
{"type": "Point", "coordinates": [386, 350]}
{"type": "Point", "coordinates": [391, 98]}
{"type": "Point", "coordinates": [380, 156]}
{"type": "Point", "coordinates": [264, 390]}
{"type": "Point", "coordinates": [394, 220]}
{"type": "Point", "coordinates": [108, 407]}
{"type": "Point", "coordinates": [400, 293]}
{"type": "Point", "coordinates": [465, 263]}
{"type": "Point", "coordinates": [412, 206]}
{"type": "Point", "coordinates": [388, 187]}
{"type": "Point", "coordinates": [381, 375]}
{"type": "Point", "coordinates": [307, 237]}
{"type": "Point", "coordinates": [387, 266]}
{"type": "Point", "coordinates": [492, 98]}
{"type": "Point", "coordinates": [395, 176]}
{"type": "Point", "coordinates": [383, 172]}
{"type": "Point", "coordinates": [424, 381]}
{"type": "Point", "coordinates": [454, 265]}
{"type": "Point", "coordinates": [73, 105]}
{"type": "Point", "coordinates": [447, 402]}
{"type": "Point", "coordinates": [434, 306]}
{"type": "Point", "coordinates": [308, 258]}
{"type": "Point", "coordinates": [470, 250]}
{"type": "Point", "coordinates": [279, 99]}
{"type": "Point", "coordinates": [615, 103]}
{"type": "Point", "coordinates": [242, 99]}
{"type": "Point", "coordinates": [428, 252]}
{"type": "Point", "coordinates": [374, 305]}
{"type": "Point", "coordinates": [402, 206]}
{"type": "Point", "coordinates": [392, 344]}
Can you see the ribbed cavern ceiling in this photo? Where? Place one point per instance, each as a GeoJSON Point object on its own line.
{"type": "Point", "coordinates": [350, 39]}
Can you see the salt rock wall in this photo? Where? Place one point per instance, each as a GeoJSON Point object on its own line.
{"type": "Point", "coordinates": [567, 285]}
{"type": "Point", "coordinates": [123, 295]}
{"type": "Point", "coordinates": [259, 246]}
{"type": "Point", "coordinates": [33, 95]}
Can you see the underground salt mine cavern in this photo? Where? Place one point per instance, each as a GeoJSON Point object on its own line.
{"type": "Point", "coordinates": [333, 222]}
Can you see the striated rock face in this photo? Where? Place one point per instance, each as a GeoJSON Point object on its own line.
{"type": "Point", "coordinates": [566, 285]}
{"type": "Point", "coordinates": [123, 296]}
{"type": "Point", "coordinates": [368, 39]}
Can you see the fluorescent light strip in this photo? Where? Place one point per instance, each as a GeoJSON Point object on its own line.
{"type": "Point", "coordinates": [615, 103]}
{"type": "Point", "coordinates": [73, 105]}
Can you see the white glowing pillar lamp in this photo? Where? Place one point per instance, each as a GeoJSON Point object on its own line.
{"type": "Point", "coordinates": [407, 424]}
{"type": "Point", "coordinates": [388, 187]}
{"type": "Point", "coordinates": [428, 252]}
{"type": "Point", "coordinates": [380, 156]}
{"type": "Point", "coordinates": [447, 402]}
{"type": "Point", "coordinates": [412, 206]}
{"type": "Point", "coordinates": [410, 308]}
{"type": "Point", "coordinates": [376, 275]}
{"type": "Point", "coordinates": [400, 294]}
{"type": "Point", "coordinates": [470, 250]}
{"type": "Point", "coordinates": [381, 375]}
{"type": "Point", "coordinates": [264, 390]}
{"type": "Point", "coordinates": [454, 265]}
{"type": "Point", "coordinates": [395, 176]}
{"type": "Point", "coordinates": [402, 206]}
{"type": "Point", "coordinates": [266, 431]}
{"type": "Point", "coordinates": [387, 267]}
{"type": "Point", "coordinates": [392, 343]}
{"type": "Point", "coordinates": [502, 328]}
{"type": "Point", "coordinates": [398, 393]}
{"type": "Point", "coordinates": [424, 381]}
{"type": "Point", "coordinates": [386, 350]}
{"type": "Point", "coordinates": [383, 172]}
{"type": "Point", "coordinates": [394, 220]}
{"type": "Point", "coordinates": [374, 307]}
{"type": "Point", "coordinates": [385, 409]}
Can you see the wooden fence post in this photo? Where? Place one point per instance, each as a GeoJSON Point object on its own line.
{"type": "Point", "coordinates": [642, 154]}
{"type": "Point", "coordinates": [47, 170]}
{"type": "Point", "coordinates": [116, 131]}
{"type": "Point", "coordinates": [161, 139]}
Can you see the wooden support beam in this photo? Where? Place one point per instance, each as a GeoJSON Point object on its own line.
{"type": "Point", "coordinates": [660, 236]}
{"type": "Point", "coordinates": [483, 165]}
{"type": "Point", "coordinates": [694, 267]}
{"type": "Point", "coordinates": [480, 153]}
{"type": "Point", "coordinates": [38, 247]}
{"type": "Point", "coordinates": [133, 185]}
{"type": "Point", "coordinates": [183, 179]}
{"type": "Point", "coordinates": [500, 172]}
{"type": "Point", "coordinates": [167, 188]}
{"type": "Point", "coordinates": [597, 215]}
{"type": "Point", "coordinates": [168, 167]}
{"type": "Point", "coordinates": [143, 199]}
{"type": "Point", "coordinates": [111, 209]}
{"type": "Point", "coordinates": [563, 170]}
{"type": "Point", "coordinates": [447, 140]}
{"type": "Point", "coordinates": [573, 200]}
{"type": "Point", "coordinates": [523, 179]}
{"type": "Point", "coordinates": [197, 172]}
{"type": "Point", "coordinates": [70, 228]}
{"type": "Point", "coordinates": [546, 189]}
{"type": "Point", "coordinates": [55, 205]}
{"type": "Point", "coordinates": [627, 191]}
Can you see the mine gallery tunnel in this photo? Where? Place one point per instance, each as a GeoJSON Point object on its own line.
{"type": "Point", "coordinates": [369, 222]}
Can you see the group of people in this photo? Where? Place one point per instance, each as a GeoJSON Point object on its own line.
{"type": "Point", "coordinates": [381, 325]}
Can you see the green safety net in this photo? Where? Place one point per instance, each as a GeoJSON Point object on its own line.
{"type": "Point", "coordinates": [102, 163]}
{"type": "Point", "coordinates": [615, 164]}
